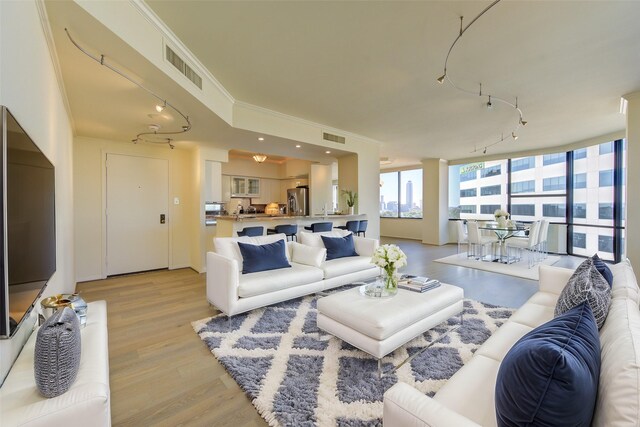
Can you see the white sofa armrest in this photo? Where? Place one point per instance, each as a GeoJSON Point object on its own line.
{"type": "Point", "coordinates": [404, 406]}
{"type": "Point", "coordinates": [554, 279]}
{"type": "Point", "coordinates": [365, 246]}
{"type": "Point", "coordinates": [223, 279]}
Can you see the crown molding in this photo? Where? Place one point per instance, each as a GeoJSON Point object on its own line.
{"type": "Point", "coordinates": [55, 61]}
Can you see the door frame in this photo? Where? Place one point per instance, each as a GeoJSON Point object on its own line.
{"type": "Point", "coordinates": [103, 209]}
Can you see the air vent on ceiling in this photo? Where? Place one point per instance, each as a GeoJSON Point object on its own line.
{"type": "Point", "coordinates": [333, 138]}
{"type": "Point", "coordinates": [182, 66]}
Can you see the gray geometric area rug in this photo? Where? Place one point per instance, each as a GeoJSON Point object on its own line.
{"type": "Point", "coordinates": [297, 375]}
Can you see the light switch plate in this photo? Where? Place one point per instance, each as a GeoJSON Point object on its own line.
{"type": "Point", "coordinates": [176, 200]}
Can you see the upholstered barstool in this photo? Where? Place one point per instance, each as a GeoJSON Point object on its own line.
{"type": "Point", "coordinates": [352, 226]}
{"type": "Point", "coordinates": [362, 227]}
{"type": "Point", "coordinates": [251, 231]}
{"type": "Point", "coordinates": [318, 227]}
{"type": "Point", "coordinates": [289, 230]}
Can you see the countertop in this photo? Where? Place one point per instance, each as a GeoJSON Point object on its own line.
{"type": "Point", "coordinates": [265, 217]}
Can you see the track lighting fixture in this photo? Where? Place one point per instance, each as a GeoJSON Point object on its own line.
{"type": "Point", "coordinates": [491, 99]}
{"type": "Point", "coordinates": [514, 136]}
{"type": "Point", "coordinates": [153, 135]}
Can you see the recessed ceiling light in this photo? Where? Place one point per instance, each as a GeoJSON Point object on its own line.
{"type": "Point", "coordinates": [328, 152]}
{"type": "Point", "coordinates": [298, 145]}
{"type": "Point", "coordinates": [261, 139]}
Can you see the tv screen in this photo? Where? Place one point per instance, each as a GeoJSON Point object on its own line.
{"type": "Point", "coordinates": [28, 224]}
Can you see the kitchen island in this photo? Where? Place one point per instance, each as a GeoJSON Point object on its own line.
{"type": "Point", "coordinates": [228, 226]}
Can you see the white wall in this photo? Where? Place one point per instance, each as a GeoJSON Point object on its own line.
{"type": "Point", "coordinates": [29, 88]}
{"type": "Point", "coordinates": [320, 189]}
{"type": "Point", "coordinates": [435, 196]}
{"type": "Point", "coordinates": [89, 170]}
{"type": "Point", "coordinates": [401, 228]}
{"type": "Point", "coordinates": [245, 167]}
{"type": "Point", "coordinates": [632, 238]}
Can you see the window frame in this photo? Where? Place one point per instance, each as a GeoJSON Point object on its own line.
{"type": "Point", "coordinates": [399, 193]}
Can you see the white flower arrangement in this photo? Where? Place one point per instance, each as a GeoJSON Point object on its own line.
{"type": "Point", "coordinates": [389, 257]}
{"type": "Point", "coordinates": [499, 212]}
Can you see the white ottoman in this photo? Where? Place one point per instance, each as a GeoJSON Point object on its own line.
{"type": "Point", "coordinates": [380, 325]}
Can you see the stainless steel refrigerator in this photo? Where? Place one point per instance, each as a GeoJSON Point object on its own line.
{"type": "Point", "coordinates": [298, 201]}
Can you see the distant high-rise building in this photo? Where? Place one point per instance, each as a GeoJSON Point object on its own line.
{"type": "Point", "coordinates": [409, 194]}
{"type": "Point", "coordinates": [383, 206]}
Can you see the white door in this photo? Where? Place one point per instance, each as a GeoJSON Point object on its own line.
{"type": "Point", "coordinates": [137, 214]}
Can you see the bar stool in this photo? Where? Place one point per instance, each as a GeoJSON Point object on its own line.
{"type": "Point", "coordinates": [318, 227]}
{"type": "Point", "coordinates": [362, 227]}
{"type": "Point", "coordinates": [289, 230]}
{"type": "Point", "coordinates": [251, 231]}
{"type": "Point", "coordinates": [352, 226]}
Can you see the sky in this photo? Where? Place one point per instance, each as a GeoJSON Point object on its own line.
{"type": "Point", "coordinates": [389, 188]}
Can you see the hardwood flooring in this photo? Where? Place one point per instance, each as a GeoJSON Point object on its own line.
{"type": "Point", "coordinates": [163, 375]}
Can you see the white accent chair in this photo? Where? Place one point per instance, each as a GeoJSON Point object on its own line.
{"type": "Point", "coordinates": [476, 240]}
{"type": "Point", "coordinates": [542, 240]}
{"type": "Point", "coordinates": [529, 244]}
{"type": "Point", "coordinates": [463, 238]}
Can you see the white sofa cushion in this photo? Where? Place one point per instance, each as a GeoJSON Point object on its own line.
{"type": "Point", "coordinates": [470, 391]}
{"type": "Point", "coordinates": [341, 266]}
{"type": "Point", "coordinates": [314, 239]}
{"type": "Point", "coordinates": [625, 284]}
{"type": "Point", "coordinates": [307, 255]}
{"type": "Point", "coordinates": [228, 246]}
{"type": "Point", "coordinates": [274, 280]}
{"type": "Point", "coordinates": [618, 401]}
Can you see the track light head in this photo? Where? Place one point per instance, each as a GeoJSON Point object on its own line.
{"type": "Point", "coordinates": [484, 151]}
{"type": "Point", "coordinates": [515, 137]}
{"type": "Point", "coordinates": [523, 122]}
{"type": "Point", "coordinates": [159, 107]}
{"type": "Point", "coordinates": [441, 78]}
{"type": "Point", "coordinates": [489, 104]}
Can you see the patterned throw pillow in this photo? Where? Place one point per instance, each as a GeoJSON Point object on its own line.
{"type": "Point", "coordinates": [586, 284]}
{"type": "Point", "coordinates": [603, 269]}
{"type": "Point", "coordinates": [57, 353]}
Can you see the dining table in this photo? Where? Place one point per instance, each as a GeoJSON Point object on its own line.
{"type": "Point", "coordinates": [503, 233]}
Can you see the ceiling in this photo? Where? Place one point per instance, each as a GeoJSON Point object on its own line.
{"type": "Point", "coordinates": [370, 68]}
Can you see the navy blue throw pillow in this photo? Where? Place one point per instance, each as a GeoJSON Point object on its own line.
{"type": "Point", "coordinates": [257, 258]}
{"type": "Point", "coordinates": [603, 269]}
{"type": "Point", "coordinates": [339, 247]}
{"type": "Point", "coordinates": [550, 376]}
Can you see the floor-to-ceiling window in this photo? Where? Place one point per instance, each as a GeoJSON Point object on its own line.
{"type": "Point", "coordinates": [401, 194]}
{"type": "Point", "coordinates": [582, 189]}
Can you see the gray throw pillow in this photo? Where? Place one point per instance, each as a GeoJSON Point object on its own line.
{"type": "Point", "coordinates": [586, 284]}
{"type": "Point", "coordinates": [57, 353]}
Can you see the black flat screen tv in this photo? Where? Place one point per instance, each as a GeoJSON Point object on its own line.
{"type": "Point", "coordinates": [27, 224]}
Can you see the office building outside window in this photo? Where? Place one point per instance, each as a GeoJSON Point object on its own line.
{"type": "Point", "coordinates": [539, 189]}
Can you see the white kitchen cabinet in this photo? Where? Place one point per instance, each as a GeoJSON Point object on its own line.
{"type": "Point", "coordinates": [242, 186]}
{"type": "Point", "coordinates": [269, 192]}
{"type": "Point", "coordinates": [226, 189]}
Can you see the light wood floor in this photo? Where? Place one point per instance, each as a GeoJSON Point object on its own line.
{"type": "Point", "coordinates": [163, 375]}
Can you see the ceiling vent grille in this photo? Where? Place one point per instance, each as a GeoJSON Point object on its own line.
{"type": "Point", "coordinates": [182, 66]}
{"type": "Point", "coordinates": [333, 138]}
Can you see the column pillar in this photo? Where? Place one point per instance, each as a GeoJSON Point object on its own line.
{"type": "Point", "coordinates": [632, 237]}
{"type": "Point", "coordinates": [435, 201]}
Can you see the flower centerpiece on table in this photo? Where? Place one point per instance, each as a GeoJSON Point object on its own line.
{"type": "Point", "coordinates": [501, 217]}
{"type": "Point", "coordinates": [390, 258]}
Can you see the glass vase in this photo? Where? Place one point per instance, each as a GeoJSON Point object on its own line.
{"type": "Point", "coordinates": [390, 278]}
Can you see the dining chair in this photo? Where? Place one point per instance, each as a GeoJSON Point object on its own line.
{"type": "Point", "coordinates": [529, 244]}
{"type": "Point", "coordinates": [463, 238]}
{"type": "Point", "coordinates": [476, 240]}
{"type": "Point", "coordinates": [542, 240]}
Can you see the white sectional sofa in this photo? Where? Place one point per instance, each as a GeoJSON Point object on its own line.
{"type": "Point", "coordinates": [467, 399]}
{"type": "Point", "coordinates": [233, 292]}
{"type": "Point", "coordinates": [86, 403]}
